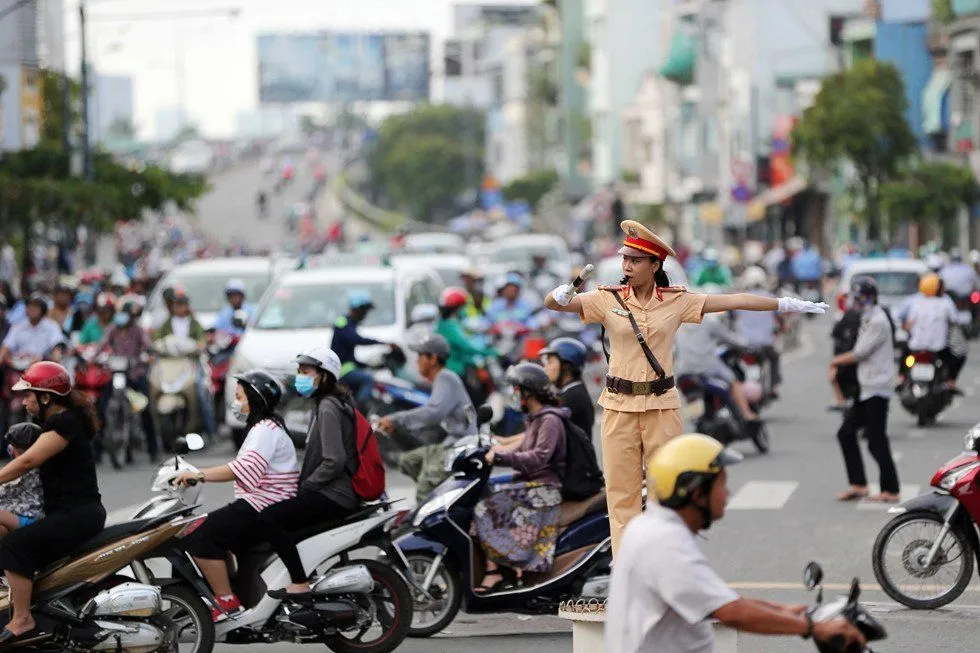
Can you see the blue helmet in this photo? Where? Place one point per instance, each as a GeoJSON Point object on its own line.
{"type": "Point", "coordinates": [359, 299]}
{"type": "Point", "coordinates": [568, 350]}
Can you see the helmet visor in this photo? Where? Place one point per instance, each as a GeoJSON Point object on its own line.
{"type": "Point", "coordinates": [726, 458]}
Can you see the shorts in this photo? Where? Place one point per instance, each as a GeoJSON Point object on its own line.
{"type": "Point", "coordinates": [23, 520]}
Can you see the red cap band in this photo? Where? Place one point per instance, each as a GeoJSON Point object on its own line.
{"type": "Point", "coordinates": [646, 246]}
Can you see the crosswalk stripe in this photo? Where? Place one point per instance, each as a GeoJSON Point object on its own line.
{"type": "Point", "coordinates": [763, 495]}
{"type": "Point", "coordinates": [908, 491]}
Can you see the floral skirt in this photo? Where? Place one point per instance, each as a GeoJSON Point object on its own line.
{"type": "Point", "coordinates": [517, 525]}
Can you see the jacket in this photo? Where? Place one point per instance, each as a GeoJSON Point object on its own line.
{"type": "Point", "coordinates": [346, 339]}
{"type": "Point", "coordinates": [541, 455]}
{"type": "Point", "coordinates": [330, 444]}
{"type": "Point", "coordinates": [462, 352]}
{"type": "Point", "coordinates": [197, 332]}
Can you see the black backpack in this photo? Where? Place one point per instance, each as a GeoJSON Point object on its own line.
{"type": "Point", "coordinates": [582, 478]}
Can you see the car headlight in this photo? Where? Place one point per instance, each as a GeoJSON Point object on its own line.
{"type": "Point", "coordinates": [436, 504]}
{"type": "Point", "coordinates": [953, 477]}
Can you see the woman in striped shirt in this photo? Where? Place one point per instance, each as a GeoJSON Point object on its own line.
{"type": "Point", "coordinates": [265, 472]}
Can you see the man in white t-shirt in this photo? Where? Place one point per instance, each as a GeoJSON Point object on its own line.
{"type": "Point", "coordinates": [929, 319]}
{"type": "Point", "coordinates": [663, 603]}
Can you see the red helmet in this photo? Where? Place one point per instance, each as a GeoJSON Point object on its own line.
{"type": "Point", "coordinates": [45, 377]}
{"type": "Point", "coordinates": [453, 298]}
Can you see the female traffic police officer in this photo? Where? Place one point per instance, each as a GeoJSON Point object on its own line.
{"type": "Point", "coordinates": [640, 403]}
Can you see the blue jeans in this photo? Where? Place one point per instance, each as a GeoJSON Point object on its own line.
{"type": "Point", "coordinates": [361, 383]}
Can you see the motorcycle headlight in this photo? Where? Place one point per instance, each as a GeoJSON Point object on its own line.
{"type": "Point", "coordinates": [436, 504]}
{"type": "Point", "coordinates": [953, 477]}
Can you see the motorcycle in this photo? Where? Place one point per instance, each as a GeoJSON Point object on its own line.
{"type": "Point", "coordinates": [720, 417]}
{"type": "Point", "coordinates": [923, 392]}
{"type": "Point", "coordinates": [221, 348]}
{"type": "Point", "coordinates": [968, 309]}
{"type": "Point", "coordinates": [173, 388]}
{"type": "Point", "coordinates": [83, 603]}
{"type": "Point", "coordinates": [755, 373]}
{"type": "Point", "coordinates": [844, 607]}
{"type": "Point", "coordinates": [933, 537]}
{"type": "Point", "coordinates": [123, 429]}
{"type": "Point", "coordinates": [352, 598]}
{"type": "Point", "coordinates": [447, 564]}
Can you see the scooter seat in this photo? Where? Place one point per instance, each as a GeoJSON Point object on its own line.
{"type": "Point", "coordinates": [322, 526]}
{"type": "Point", "coordinates": [112, 533]}
{"type": "Point", "coordinates": [572, 511]}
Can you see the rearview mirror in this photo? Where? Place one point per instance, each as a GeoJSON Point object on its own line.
{"type": "Point", "coordinates": [812, 575]}
{"type": "Point", "coordinates": [855, 592]}
{"type": "Point", "coordinates": [484, 414]}
{"type": "Point", "coordinates": [188, 443]}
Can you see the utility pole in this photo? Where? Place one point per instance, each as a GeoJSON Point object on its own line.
{"type": "Point", "coordinates": [89, 172]}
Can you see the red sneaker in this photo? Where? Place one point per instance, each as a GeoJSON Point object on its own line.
{"type": "Point", "coordinates": [228, 606]}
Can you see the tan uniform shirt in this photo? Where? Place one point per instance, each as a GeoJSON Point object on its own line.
{"type": "Point", "coordinates": [658, 321]}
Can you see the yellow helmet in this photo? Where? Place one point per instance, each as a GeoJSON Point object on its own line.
{"type": "Point", "coordinates": [929, 284]}
{"type": "Point", "coordinates": [686, 463]}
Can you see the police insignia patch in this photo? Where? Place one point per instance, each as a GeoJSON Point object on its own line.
{"type": "Point", "coordinates": [620, 312]}
{"type": "Point", "coordinates": [631, 232]}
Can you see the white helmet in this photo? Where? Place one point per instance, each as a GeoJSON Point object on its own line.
{"type": "Point", "coordinates": [323, 357]}
{"type": "Point", "coordinates": [235, 285]}
{"type": "Point", "coordinates": [974, 256]}
{"type": "Point", "coordinates": [119, 278]}
{"type": "Point", "coordinates": [754, 277]}
{"type": "Point", "coordinates": [934, 262]}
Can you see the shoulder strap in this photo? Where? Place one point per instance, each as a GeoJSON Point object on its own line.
{"type": "Point", "coordinates": [654, 363]}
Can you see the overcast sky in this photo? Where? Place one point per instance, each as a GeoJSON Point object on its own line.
{"type": "Point", "coordinates": [221, 66]}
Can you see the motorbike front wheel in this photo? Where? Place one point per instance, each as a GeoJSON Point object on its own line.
{"type": "Point", "coordinates": [392, 603]}
{"type": "Point", "coordinates": [433, 615]}
{"type": "Point", "coordinates": [899, 556]}
{"type": "Point", "coordinates": [191, 618]}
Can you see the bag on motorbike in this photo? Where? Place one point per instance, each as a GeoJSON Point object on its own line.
{"type": "Point", "coordinates": [582, 478]}
{"type": "Point", "coordinates": [368, 481]}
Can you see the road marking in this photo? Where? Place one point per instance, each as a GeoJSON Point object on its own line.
{"type": "Point", "coordinates": [763, 495]}
{"type": "Point", "coordinates": [916, 433]}
{"type": "Point", "coordinates": [908, 491]}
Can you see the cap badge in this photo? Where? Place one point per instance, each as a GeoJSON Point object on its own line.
{"type": "Point", "coordinates": [631, 232]}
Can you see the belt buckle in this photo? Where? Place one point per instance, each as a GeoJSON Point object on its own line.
{"type": "Point", "coordinates": [641, 387]}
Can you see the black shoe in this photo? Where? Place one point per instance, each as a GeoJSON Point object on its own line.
{"type": "Point", "coordinates": [283, 595]}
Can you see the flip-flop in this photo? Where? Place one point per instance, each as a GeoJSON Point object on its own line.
{"type": "Point", "coordinates": [853, 495]}
{"type": "Point", "coordinates": [8, 638]}
{"type": "Point", "coordinates": [493, 587]}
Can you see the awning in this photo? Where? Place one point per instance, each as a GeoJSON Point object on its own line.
{"type": "Point", "coordinates": [783, 192]}
{"type": "Point", "coordinates": [679, 66]}
{"type": "Point", "coordinates": [932, 100]}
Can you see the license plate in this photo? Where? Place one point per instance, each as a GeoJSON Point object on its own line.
{"type": "Point", "coordinates": [966, 317]}
{"type": "Point", "coordinates": [923, 372]}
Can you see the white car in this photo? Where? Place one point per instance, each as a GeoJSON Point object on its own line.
{"type": "Point", "coordinates": [204, 281]}
{"type": "Point", "coordinates": [609, 272]}
{"type": "Point", "coordinates": [517, 252]}
{"type": "Point", "coordinates": [897, 279]}
{"type": "Point", "coordinates": [434, 243]}
{"type": "Point", "coordinates": [449, 267]}
{"type": "Point", "coordinates": [300, 310]}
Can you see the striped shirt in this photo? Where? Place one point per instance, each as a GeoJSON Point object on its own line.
{"type": "Point", "coordinates": [265, 469]}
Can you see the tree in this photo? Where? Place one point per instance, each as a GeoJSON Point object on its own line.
{"type": "Point", "coordinates": [423, 160]}
{"type": "Point", "coordinates": [859, 117]}
{"type": "Point", "coordinates": [531, 187]}
{"type": "Point", "coordinates": [121, 129]}
{"type": "Point", "coordinates": [931, 193]}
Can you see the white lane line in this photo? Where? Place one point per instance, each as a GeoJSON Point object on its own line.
{"type": "Point", "coordinates": [916, 433]}
{"type": "Point", "coordinates": [763, 495]}
{"type": "Point", "coordinates": [908, 491]}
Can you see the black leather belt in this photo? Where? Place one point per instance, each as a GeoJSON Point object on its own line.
{"type": "Point", "coordinates": [627, 387]}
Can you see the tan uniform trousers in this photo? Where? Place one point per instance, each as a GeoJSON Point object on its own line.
{"type": "Point", "coordinates": [628, 441]}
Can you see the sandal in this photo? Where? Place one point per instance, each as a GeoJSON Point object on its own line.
{"type": "Point", "coordinates": [483, 588]}
{"type": "Point", "coordinates": [8, 638]}
{"type": "Point", "coordinates": [853, 495]}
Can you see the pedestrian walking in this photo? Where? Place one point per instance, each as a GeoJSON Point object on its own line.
{"type": "Point", "coordinates": [874, 355]}
{"type": "Point", "coordinates": [641, 317]}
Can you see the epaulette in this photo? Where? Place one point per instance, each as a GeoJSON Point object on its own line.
{"type": "Point", "coordinates": [674, 289]}
{"type": "Point", "coordinates": [617, 287]}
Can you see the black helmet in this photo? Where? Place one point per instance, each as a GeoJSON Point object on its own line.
{"type": "Point", "coordinates": [23, 435]}
{"type": "Point", "coordinates": [568, 350]}
{"type": "Point", "coordinates": [263, 385]}
{"type": "Point", "coordinates": [864, 288]}
{"type": "Point", "coordinates": [169, 294]}
{"type": "Point", "coordinates": [41, 300]}
{"type": "Point", "coordinates": [531, 377]}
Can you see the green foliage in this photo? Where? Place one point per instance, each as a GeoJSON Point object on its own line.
{"type": "Point", "coordinates": [583, 58]}
{"type": "Point", "coordinates": [531, 187]}
{"type": "Point", "coordinates": [649, 215]}
{"type": "Point", "coordinates": [421, 158]}
{"type": "Point", "coordinates": [630, 177]}
{"type": "Point", "coordinates": [929, 193]}
{"type": "Point", "coordinates": [53, 128]}
{"type": "Point", "coordinates": [859, 117]}
{"type": "Point", "coordinates": [121, 129]}
{"type": "Point", "coordinates": [942, 11]}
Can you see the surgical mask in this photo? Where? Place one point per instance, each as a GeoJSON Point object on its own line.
{"type": "Point", "coordinates": [236, 410]}
{"type": "Point", "coordinates": [121, 319]}
{"type": "Point", "coordinates": [304, 385]}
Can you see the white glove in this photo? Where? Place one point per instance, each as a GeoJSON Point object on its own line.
{"type": "Point", "coordinates": [794, 305]}
{"type": "Point", "coordinates": [563, 294]}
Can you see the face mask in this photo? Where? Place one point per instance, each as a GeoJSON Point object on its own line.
{"type": "Point", "coordinates": [304, 385]}
{"type": "Point", "coordinates": [236, 410]}
{"type": "Point", "coordinates": [121, 319]}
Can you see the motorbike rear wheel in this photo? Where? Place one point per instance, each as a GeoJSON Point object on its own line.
{"type": "Point", "coordinates": [392, 601]}
{"type": "Point", "coordinates": [446, 590]}
{"type": "Point", "coordinates": [923, 529]}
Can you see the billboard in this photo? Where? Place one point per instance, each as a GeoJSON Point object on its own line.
{"type": "Point", "coordinates": [343, 67]}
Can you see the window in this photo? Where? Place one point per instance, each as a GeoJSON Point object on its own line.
{"type": "Point", "coordinates": [418, 294]}
{"type": "Point", "coordinates": [317, 306]}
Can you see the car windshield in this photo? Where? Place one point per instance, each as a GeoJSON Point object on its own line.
{"type": "Point", "coordinates": [207, 291]}
{"type": "Point", "coordinates": [317, 306]}
{"type": "Point", "coordinates": [891, 282]}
